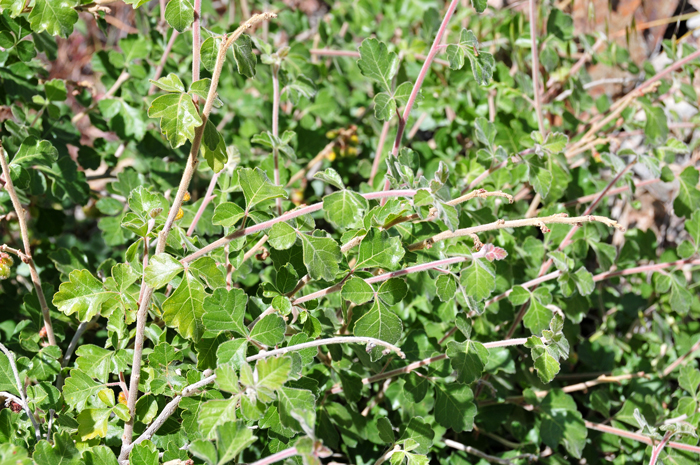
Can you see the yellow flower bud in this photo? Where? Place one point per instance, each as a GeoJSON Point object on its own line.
{"type": "Point", "coordinates": [179, 215]}
{"type": "Point", "coordinates": [187, 197]}
{"type": "Point", "coordinates": [332, 134]}
{"type": "Point", "coordinates": [332, 155]}
{"type": "Point", "coordinates": [122, 398]}
{"type": "Point", "coordinates": [354, 139]}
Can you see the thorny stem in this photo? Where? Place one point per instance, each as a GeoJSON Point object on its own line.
{"type": "Point", "coordinates": [536, 66]}
{"type": "Point", "coordinates": [275, 129]}
{"type": "Point", "coordinates": [434, 49]}
{"type": "Point", "coordinates": [476, 452]}
{"type": "Point", "coordinates": [24, 232]}
{"type": "Point", "coordinates": [21, 388]}
{"type": "Point", "coordinates": [284, 217]}
{"type": "Point", "coordinates": [559, 218]}
{"type": "Point", "coordinates": [147, 291]}
{"type": "Point", "coordinates": [163, 60]}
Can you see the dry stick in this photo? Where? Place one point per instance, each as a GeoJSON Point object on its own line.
{"type": "Point", "coordinates": [205, 201]}
{"type": "Point", "coordinates": [559, 218]}
{"type": "Point", "coordinates": [378, 153]}
{"type": "Point", "coordinates": [163, 60]}
{"type": "Point", "coordinates": [112, 90]}
{"type": "Point", "coordinates": [434, 49]}
{"type": "Point", "coordinates": [170, 408]}
{"type": "Point", "coordinates": [536, 66]}
{"type": "Point", "coordinates": [275, 129]}
{"type": "Point", "coordinates": [189, 171]}
{"type": "Point", "coordinates": [285, 217]}
{"type": "Point", "coordinates": [22, 389]}
{"type": "Point", "coordinates": [325, 151]}
{"type": "Point", "coordinates": [24, 232]}
{"type": "Point", "coordinates": [638, 437]}
{"type": "Point", "coordinates": [427, 361]}
{"type": "Point", "coordinates": [546, 265]}
{"type": "Point", "coordinates": [478, 453]}
{"type": "Point", "coordinates": [669, 369]}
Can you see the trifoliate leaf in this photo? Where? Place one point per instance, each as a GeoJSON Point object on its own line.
{"type": "Point", "coordinates": [178, 115]}
{"type": "Point", "coordinates": [95, 361]}
{"type": "Point", "coordinates": [183, 310]}
{"type": "Point", "coordinates": [161, 269]}
{"type": "Point", "coordinates": [379, 250]}
{"type": "Point", "coordinates": [482, 63]}
{"type": "Point", "coordinates": [257, 187]}
{"type": "Point", "coordinates": [380, 323]}
{"type": "Point", "coordinates": [224, 311]}
{"type": "Point", "coordinates": [377, 63]}
{"type": "Point", "coordinates": [83, 294]}
{"type": "Point", "coordinates": [321, 256]}
{"type": "Point", "coordinates": [357, 291]}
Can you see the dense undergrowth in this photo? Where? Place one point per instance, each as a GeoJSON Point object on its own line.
{"type": "Point", "coordinates": [367, 234]}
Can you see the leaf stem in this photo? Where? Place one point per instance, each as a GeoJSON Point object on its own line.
{"type": "Point", "coordinates": [638, 437]}
{"type": "Point", "coordinates": [205, 201]}
{"type": "Point", "coordinates": [285, 217]}
{"type": "Point", "coordinates": [22, 389]}
{"type": "Point", "coordinates": [24, 233]}
{"type": "Point", "coordinates": [190, 168]}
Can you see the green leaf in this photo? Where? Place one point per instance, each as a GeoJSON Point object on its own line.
{"type": "Point", "coordinates": [689, 379]}
{"type": "Point", "coordinates": [273, 372]}
{"type": "Point", "coordinates": [560, 25]}
{"type": "Point", "coordinates": [547, 366]}
{"type": "Point", "coordinates": [95, 361]}
{"type": "Point", "coordinates": [56, 17]}
{"type": "Point", "coordinates": [345, 209]}
{"type": "Point", "coordinates": [485, 132]}
{"type": "Point", "coordinates": [169, 83]}
{"type": "Point", "coordinates": [257, 187]}
{"type": "Point", "coordinates": [296, 405]}
{"type": "Point", "coordinates": [224, 311]}
{"type": "Point", "coordinates": [446, 287]}
{"type": "Point", "coordinates": [7, 377]}
{"type": "Point", "coordinates": [282, 236]}
{"type": "Point", "coordinates": [162, 269]}
{"type": "Point", "coordinates": [482, 63]}
{"type": "Point", "coordinates": [100, 455]}
{"type": "Point", "coordinates": [537, 317]}
{"type": "Point", "coordinates": [243, 54]}
{"type": "Point", "coordinates": [269, 331]}
{"type": "Point", "coordinates": [357, 291]}
{"type": "Point", "coordinates": [83, 294]}
{"type": "Point", "coordinates": [227, 214]}
{"type": "Point", "coordinates": [45, 364]}
{"type": "Point", "coordinates": [321, 256]}
{"type": "Point", "coordinates": [656, 127]}
{"type": "Point", "coordinates": [403, 93]}
{"type": "Point", "coordinates": [562, 423]}
{"type": "Point", "coordinates": [377, 63]}
{"type": "Point", "coordinates": [454, 406]}
{"type": "Point", "coordinates": [213, 147]}
{"type": "Point", "coordinates": [480, 5]}
{"type": "Point", "coordinates": [179, 14]}
{"type": "Point", "coordinates": [79, 388]}
{"type": "Point", "coordinates": [379, 250]}
{"type": "Point", "coordinates": [519, 295]}
{"type": "Point", "coordinates": [468, 359]}
{"type": "Point", "coordinates": [420, 432]}
{"type": "Point", "coordinates": [63, 451]}
{"type": "Point", "coordinates": [386, 431]}
{"type": "Point", "coordinates": [144, 453]}
{"type": "Point", "coordinates": [331, 177]}
{"type": "Point", "coordinates": [539, 176]}
{"type": "Point", "coordinates": [688, 199]}
{"type": "Point", "coordinates": [479, 279]}
{"type": "Point", "coordinates": [384, 106]}
{"type": "Point", "coordinates": [184, 308]}
{"type": "Point", "coordinates": [34, 151]}
{"type": "Point", "coordinates": [178, 115]}
{"type": "Point", "coordinates": [231, 439]}
{"type": "Point", "coordinates": [214, 413]}
{"type": "Point", "coordinates": [392, 291]}
{"type": "Point", "coordinates": [92, 423]}
{"type": "Point", "coordinates": [381, 323]}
